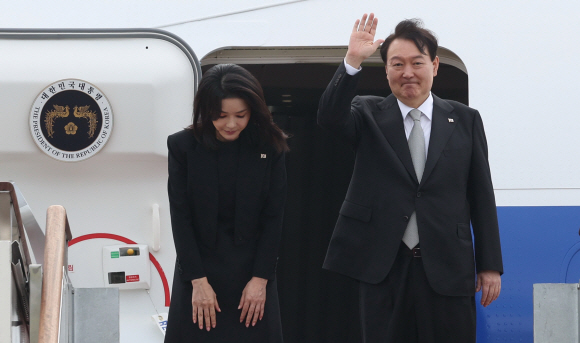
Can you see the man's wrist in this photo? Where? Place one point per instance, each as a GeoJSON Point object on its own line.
{"type": "Point", "coordinates": [350, 69]}
{"type": "Point", "coordinates": [353, 60]}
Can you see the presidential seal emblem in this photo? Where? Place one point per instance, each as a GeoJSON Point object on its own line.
{"type": "Point", "coordinates": [71, 120]}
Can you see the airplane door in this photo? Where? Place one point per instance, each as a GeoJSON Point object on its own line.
{"type": "Point", "coordinates": [85, 117]}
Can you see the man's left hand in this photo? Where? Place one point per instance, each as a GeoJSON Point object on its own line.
{"type": "Point", "coordinates": [489, 283]}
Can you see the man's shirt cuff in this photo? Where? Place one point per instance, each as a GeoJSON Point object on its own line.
{"type": "Point", "coordinates": [350, 70]}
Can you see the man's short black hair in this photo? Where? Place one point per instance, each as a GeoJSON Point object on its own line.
{"type": "Point", "coordinates": [413, 30]}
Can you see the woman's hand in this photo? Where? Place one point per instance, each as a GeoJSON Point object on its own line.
{"type": "Point", "coordinates": [253, 300]}
{"type": "Point", "coordinates": [204, 303]}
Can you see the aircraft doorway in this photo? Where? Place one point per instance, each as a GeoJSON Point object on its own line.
{"type": "Point", "coordinates": [317, 305]}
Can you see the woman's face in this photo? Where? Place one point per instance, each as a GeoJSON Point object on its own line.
{"type": "Point", "coordinates": [233, 119]}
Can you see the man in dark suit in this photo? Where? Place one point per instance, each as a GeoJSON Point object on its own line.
{"type": "Point", "coordinates": [421, 177]}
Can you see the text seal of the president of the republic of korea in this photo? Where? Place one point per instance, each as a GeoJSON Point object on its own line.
{"type": "Point", "coordinates": [71, 120]}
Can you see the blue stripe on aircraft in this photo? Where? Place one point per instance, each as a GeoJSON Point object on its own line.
{"type": "Point", "coordinates": [539, 245]}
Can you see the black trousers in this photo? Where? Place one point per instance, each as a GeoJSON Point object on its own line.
{"type": "Point", "coordinates": [403, 308]}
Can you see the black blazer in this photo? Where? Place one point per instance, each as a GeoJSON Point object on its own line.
{"type": "Point", "coordinates": [193, 199]}
{"type": "Point", "coordinates": [455, 191]}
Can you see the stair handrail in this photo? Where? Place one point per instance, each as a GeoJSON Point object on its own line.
{"type": "Point", "coordinates": [9, 187]}
{"type": "Point", "coordinates": [57, 236]}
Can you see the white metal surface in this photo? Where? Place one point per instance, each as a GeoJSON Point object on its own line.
{"type": "Point", "coordinates": [105, 14]}
{"type": "Point", "coordinates": [161, 321]}
{"type": "Point", "coordinates": [96, 314]}
{"type": "Point", "coordinates": [135, 267]}
{"type": "Point", "coordinates": [501, 46]}
{"type": "Point", "coordinates": [5, 217]}
{"type": "Point", "coordinates": [556, 316]}
{"type": "Point", "coordinates": [18, 333]}
{"type": "Point", "coordinates": [155, 228]}
{"type": "Point", "coordinates": [6, 291]}
{"type": "Point", "coordinates": [66, 332]}
{"type": "Point", "coordinates": [34, 235]}
{"type": "Point", "coordinates": [145, 81]}
{"type": "Point", "coordinates": [35, 286]}
{"type": "Point", "coordinates": [150, 84]}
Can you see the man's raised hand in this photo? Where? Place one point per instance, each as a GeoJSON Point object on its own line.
{"type": "Point", "coordinates": [362, 44]}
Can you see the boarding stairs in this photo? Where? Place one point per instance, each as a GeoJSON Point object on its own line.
{"type": "Point", "coordinates": [38, 303]}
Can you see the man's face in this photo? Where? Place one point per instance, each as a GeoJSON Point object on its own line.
{"type": "Point", "coordinates": [410, 73]}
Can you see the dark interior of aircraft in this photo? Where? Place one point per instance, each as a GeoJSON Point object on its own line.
{"type": "Point", "coordinates": [318, 305]}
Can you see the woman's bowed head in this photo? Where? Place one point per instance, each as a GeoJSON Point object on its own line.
{"type": "Point", "coordinates": [230, 101]}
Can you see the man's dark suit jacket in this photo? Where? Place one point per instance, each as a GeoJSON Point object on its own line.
{"type": "Point", "coordinates": [455, 190]}
{"type": "Point", "coordinates": [193, 197]}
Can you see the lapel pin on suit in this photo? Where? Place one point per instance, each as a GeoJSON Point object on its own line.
{"type": "Point", "coordinates": [262, 155]}
{"type": "Point", "coordinates": [450, 120]}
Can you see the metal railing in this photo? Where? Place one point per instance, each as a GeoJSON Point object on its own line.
{"type": "Point", "coordinates": [14, 269]}
{"type": "Point", "coordinates": [35, 299]}
{"type": "Point", "coordinates": [56, 289]}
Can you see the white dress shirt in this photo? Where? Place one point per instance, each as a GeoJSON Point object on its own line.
{"type": "Point", "coordinates": [426, 109]}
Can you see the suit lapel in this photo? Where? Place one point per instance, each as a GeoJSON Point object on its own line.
{"type": "Point", "coordinates": [441, 129]}
{"type": "Point", "coordinates": [390, 121]}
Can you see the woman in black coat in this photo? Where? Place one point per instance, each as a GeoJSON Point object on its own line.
{"type": "Point", "coordinates": [227, 189]}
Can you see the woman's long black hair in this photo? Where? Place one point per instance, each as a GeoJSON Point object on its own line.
{"type": "Point", "coordinates": [226, 81]}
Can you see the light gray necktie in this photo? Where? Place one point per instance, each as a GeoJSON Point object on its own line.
{"type": "Point", "coordinates": [417, 148]}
